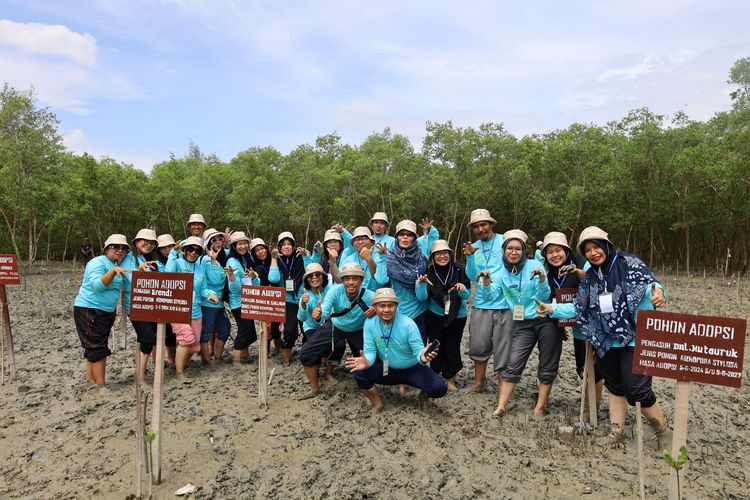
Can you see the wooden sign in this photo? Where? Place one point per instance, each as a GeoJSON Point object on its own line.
{"type": "Point", "coordinates": [9, 270]}
{"type": "Point", "coordinates": [263, 303]}
{"type": "Point", "coordinates": [565, 296]}
{"type": "Point", "coordinates": [161, 297]}
{"type": "Point", "coordinates": [704, 349]}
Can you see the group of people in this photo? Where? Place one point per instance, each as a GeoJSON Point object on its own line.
{"type": "Point", "coordinates": [399, 302]}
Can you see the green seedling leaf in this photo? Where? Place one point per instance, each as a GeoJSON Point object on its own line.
{"type": "Point", "coordinates": [149, 436]}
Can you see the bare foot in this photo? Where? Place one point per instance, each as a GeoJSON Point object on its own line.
{"type": "Point", "coordinates": [451, 385]}
{"type": "Point", "coordinates": [401, 390]}
{"type": "Point", "coordinates": [499, 412]}
{"type": "Point", "coordinates": [476, 387]}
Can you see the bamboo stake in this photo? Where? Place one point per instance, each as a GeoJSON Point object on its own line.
{"type": "Point", "coordinates": [157, 403]}
{"type": "Point", "coordinates": [123, 321]}
{"type": "Point", "coordinates": [591, 385]}
{"type": "Point", "coordinates": [139, 418]}
{"type": "Point", "coordinates": [2, 350]}
{"type": "Point", "coordinates": [639, 432]}
{"type": "Point", "coordinates": [263, 367]}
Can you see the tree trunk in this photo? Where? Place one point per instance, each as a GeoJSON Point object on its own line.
{"type": "Point", "coordinates": [67, 239]}
{"type": "Point", "coordinates": [12, 232]}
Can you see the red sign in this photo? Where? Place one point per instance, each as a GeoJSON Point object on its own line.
{"type": "Point", "coordinates": [9, 270]}
{"type": "Point", "coordinates": [264, 303]}
{"type": "Point", "coordinates": [704, 349]}
{"type": "Point", "coordinates": [565, 296]}
{"type": "Point", "coordinates": [161, 297]}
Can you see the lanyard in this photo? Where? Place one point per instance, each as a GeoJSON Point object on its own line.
{"type": "Point", "coordinates": [485, 252]}
{"type": "Point", "coordinates": [560, 283]}
{"type": "Point", "coordinates": [602, 276]}
{"type": "Point", "coordinates": [520, 280]}
{"type": "Point", "coordinates": [388, 338]}
{"type": "Point", "coordinates": [447, 279]}
{"type": "Point", "coordinates": [288, 268]}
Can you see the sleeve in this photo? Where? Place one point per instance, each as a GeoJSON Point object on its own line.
{"type": "Point", "coordinates": [327, 306]}
{"type": "Point", "coordinates": [563, 311]}
{"type": "Point", "coordinates": [347, 237]}
{"type": "Point", "coordinates": [415, 341]}
{"type": "Point", "coordinates": [95, 277]}
{"type": "Point", "coordinates": [236, 286]}
{"type": "Point", "coordinates": [466, 293]}
{"type": "Point", "coordinates": [215, 275]}
{"type": "Point", "coordinates": [309, 259]}
{"type": "Point", "coordinates": [302, 314]}
{"type": "Point", "coordinates": [426, 241]}
{"type": "Point", "coordinates": [315, 257]}
{"type": "Point", "coordinates": [490, 293]}
{"type": "Point", "coordinates": [172, 265]}
{"type": "Point", "coordinates": [381, 274]}
{"type": "Point", "coordinates": [421, 290]}
{"type": "Point", "coordinates": [205, 292]}
{"type": "Point", "coordinates": [369, 348]}
{"type": "Point", "coordinates": [274, 275]}
{"type": "Point", "coordinates": [471, 267]}
{"type": "Point", "coordinates": [542, 289]}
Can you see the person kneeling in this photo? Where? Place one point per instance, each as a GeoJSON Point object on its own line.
{"type": "Point", "coordinates": [394, 354]}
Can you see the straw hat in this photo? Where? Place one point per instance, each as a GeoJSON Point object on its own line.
{"type": "Point", "coordinates": [332, 235]}
{"type": "Point", "coordinates": [257, 241]}
{"type": "Point", "coordinates": [379, 216]}
{"type": "Point", "coordinates": [480, 215]}
{"type": "Point", "coordinates": [591, 233]}
{"type": "Point", "coordinates": [313, 268]}
{"type": "Point", "coordinates": [439, 246]}
{"type": "Point", "coordinates": [238, 236]}
{"type": "Point", "coordinates": [385, 295]}
{"type": "Point", "coordinates": [164, 240]}
{"type": "Point", "coordinates": [555, 238]}
{"type": "Point", "coordinates": [146, 234]}
{"type": "Point", "coordinates": [362, 231]}
{"type": "Point", "coordinates": [196, 218]}
{"type": "Point", "coordinates": [515, 234]}
{"type": "Point", "coordinates": [407, 225]}
{"type": "Point", "coordinates": [192, 241]}
{"type": "Point", "coordinates": [351, 269]}
{"type": "Point", "coordinates": [285, 235]}
{"type": "Point", "coordinates": [116, 239]}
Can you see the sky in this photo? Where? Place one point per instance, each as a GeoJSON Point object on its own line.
{"type": "Point", "coordinates": [136, 80]}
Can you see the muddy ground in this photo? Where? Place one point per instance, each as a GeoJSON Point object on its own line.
{"type": "Point", "coordinates": [61, 438]}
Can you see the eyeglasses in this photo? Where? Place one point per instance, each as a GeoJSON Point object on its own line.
{"type": "Point", "coordinates": [193, 249]}
{"type": "Point", "coordinates": [217, 238]}
{"type": "Point", "coordinates": [119, 248]}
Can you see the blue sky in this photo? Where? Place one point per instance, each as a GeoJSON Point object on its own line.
{"type": "Point", "coordinates": [136, 80]}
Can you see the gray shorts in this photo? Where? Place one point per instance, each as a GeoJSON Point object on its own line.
{"type": "Point", "coordinates": [490, 334]}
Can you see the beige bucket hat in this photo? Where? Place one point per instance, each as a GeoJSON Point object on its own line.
{"type": "Point", "coordinates": [238, 236]}
{"type": "Point", "coordinates": [285, 235]}
{"type": "Point", "coordinates": [439, 246]}
{"type": "Point", "coordinates": [313, 268]}
{"type": "Point", "coordinates": [210, 233]}
{"type": "Point", "coordinates": [407, 225]}
{"type": "Point", "coordinates": [257, 241]}
{"type": "Point", "coordinates": [591, 233]}
{"type": "Point", "coordinates": [362, 231]}
{"type": "Point", "coordinates": [146, 234]}
{"type": "Point", "coordinates": [332, 235]}
{"type": "Point", "coordinates": [480, 215]}
{"type": "Point", "coordinates": [385, 295]}
{"type": "Point", "coordinates": [192, 241]}
{"type": "Point", "coordinates": [196, 218]}
{"type": "Point", "coordinates": [515, 234]}
{"type": "Point", "coordinates": [164, 240]}
{"type": "Point", "coordinates": [115, 239]}
{"type": "Point", "coordinates": [379, 216]}
{"type": "Point", "coordinates": [555, 238]}
{"type": "Point", "coordinates": [351, 269]}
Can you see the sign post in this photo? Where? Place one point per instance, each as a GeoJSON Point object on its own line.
{"type": "Point", "coordinates": [8, 276]}
{"type": "Point", "coordinates": [161, 298]}
{"type": "Point", "coordinates": [266, 304]}
{"type": "Point", "coordinates": [688, 348]}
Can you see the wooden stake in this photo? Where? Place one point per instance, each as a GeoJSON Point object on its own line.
{"type": "Point", "coordinates": [157, 403]}
{"type": "Point", "coordinates": [591, 385]}
{"type": "Point", "coordinates": [123, 321]}
{"type": "Point", "coordinates": [679, 433]}
{"type": "Point", "coordinates": [263, 366]}
{"type": "Point", "coordinates": [639, 432]}
{"type": "Point", "coordinates": [138, 423]}
{"type": "Point", "coordinates": [7, 332]}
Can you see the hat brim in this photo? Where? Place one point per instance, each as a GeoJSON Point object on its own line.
{"type": "Point", "coordinates": [486, 219]}
{"type": "Point", "coordinates": [359, 274]}
{"type": "Point", "coordinates": [380, 300]}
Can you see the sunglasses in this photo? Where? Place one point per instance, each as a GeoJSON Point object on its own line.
{"type": "Point", "coordinates": [119, 248]}
{"type": "Point", "coordinates": [193, 249]}
{"type": "Point", "coordinates": [316, 275]}
{"type": "Point", "coordinates": [514, 250]}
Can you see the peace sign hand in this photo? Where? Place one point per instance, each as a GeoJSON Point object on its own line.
{"type": "Point", "coordinates": [542, 309]}
{"type": "Point", "coordinates": [426, 224]}
{"type": "Point", "coordinates": [382, 249]}
{"type": "Point", "coordinates": [540, 273]}
{"type": "Point", "coordinates": [469, 249]}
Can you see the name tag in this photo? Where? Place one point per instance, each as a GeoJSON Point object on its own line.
{"type": "Point", "coordinates": [290, 285]}
{"type": "Point", "coordinates": [447, 308]}
{"type": "Point", "coordinates": [247, 280]}
{"type": "Point", "coordinates": [605, 303]}
{"type": "Point", "coordinates": [518, 312]}
{"type": "Point", "coordinates": [385, 367]}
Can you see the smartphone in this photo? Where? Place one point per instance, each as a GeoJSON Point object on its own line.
{"type": "Point", "coordinates": [434, 346]}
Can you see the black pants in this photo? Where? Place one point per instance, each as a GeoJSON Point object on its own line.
{"type": "Point", "coordinates": [292, 326]}
{"type": "Point", "coordinates": [579, 346]}
{"type": "Point", "coordinates": [145, 333]}
{"type": "Point", "coordinates": [93, 326]}
{"type": "Point", "coordinates": [617, 367]}
{"type": "Point", "coordinates": [329, 342]}
{"type": "Point", "coordinates": [448, 361]}
{"type": "Point", "coordinates": [546, 335]}
{"type": "Point", "coordinates": [246, 334]}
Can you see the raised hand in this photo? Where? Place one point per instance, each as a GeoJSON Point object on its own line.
{"type": "Point", "coordinates": [657, 296]}
{"type": "Point", "coordinates": [147, 266]}
{"type": "Point", "coordinates": [424, 279]}
{"type": "Point", "coordinates": [316, 313]}
{"type": "Point", "coordinates": [567, 269]}
{"type": "Point", "coordinates": [303, 251]}
{"type": "Point", "coordinates": [426, 224]}
{"type": "Point", "coordinates": [305, 299]}
{"type": "Point", "coordinates": [359, 363]}
{"type": "Point", "coordinates": [250, 273]}
{"type": "Point", "coordinates": [485, 277]}
{"type": "Point", "coordinates": [383, 249]}
{"type": "Point", "coordinates": [213, 254]}
{"type": "Point", "coordinates": [318, 247]}
{"type": "Point", "coordinates": [274, 254]}
{"type": "Point", "coordinates": [540, 273]}
{"type": "Point", "coordinates": [365, 253]}
{"type": "Point", "coordinates": [469, 249]}
{"type": "Point", "coordinates": [542, 309]}
{"type": "Point", "coordinates": [213, 298]}
{"type": "Point", "coordinates": [178, 247]}
{"type": "Point", "coordinates": [333, 254]}
{"type": "Point", "coordinates": [229, 271]}
{"type": "Point", "coordinates": [429, 357]}
{"type": "Point", "coordinates": [370, 312]}
{"type": "Point", "coordinates": [338, 227]}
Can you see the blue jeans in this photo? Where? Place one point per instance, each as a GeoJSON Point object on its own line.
{"type": "Point", "coordinates": [419, 376]}
{"type": "Point", "coordinates": [214, 319]}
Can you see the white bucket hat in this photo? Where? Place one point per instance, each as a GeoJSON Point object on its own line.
{"type": "Point", "coordinates": [238, 236]}
{"type": "Point", "coordinates": [285, 235]}
{"type": "Point", "coordinates": [379, 216]}
{"type": "Point", "coordinates": [591, 233]}
{"type": "Point", "coordinates": [196, 218]}
{"type": "Point", "coordinates": [208, 234]}
{"type": "Point", "coordinates": [362, 231]}
{"type": "Point", "coordinates": [164, 240]}
{"type": "Point", "coordinates": [407, 225]}
{"type": "Point", "coordinates": [116, 239]}
{"type": "Point", "coordinates": [146, 234]}
{"type": "Point", "coordinates": [555, 238]}
{"type": "Point", "coordinates": [257, 241]}
{"type": "Point", "coordinates": [480, 215]}
{"type": "Point", "coordinates": [385, 295]}
{"type": "Point", "coordinates": [313, 268]}
{"type": "Point", "coordinates": [192, 241]}
{"type": "Point", "coordinates": [439, 246]}
{"type": "Point", "coordinates": [351, 269]}
{"type": "Point", "coordinates": [515, 234]}
{"type": "Point", "coordinates": [332, 235]}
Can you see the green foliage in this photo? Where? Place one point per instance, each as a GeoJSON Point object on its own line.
{"type": "Point", "coordinates": [679, 462]}
{"type": "Point", "coordinates": [149, 436]}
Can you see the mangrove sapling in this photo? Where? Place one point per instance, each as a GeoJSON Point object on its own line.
{"type": "Point", "coordinates": [148, 438]}
{"type": "Point", "coordinates": [677, 464]}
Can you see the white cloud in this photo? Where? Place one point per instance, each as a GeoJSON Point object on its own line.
{"type": "Point", "coordinates": [49, 39]}
{"type": "Point", "coordinates": [77, 142]}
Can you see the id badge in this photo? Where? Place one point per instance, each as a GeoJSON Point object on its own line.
{"type": "Point", "coordinates": [447, 308]}
{"type": "Point", "coordinates": [247, 280]}
{"type": "Point", "coordinates": [289, 285]}
{"type": "Point", "coordinates": [518, 312]}
{"type": "Point", "coordinates": [385, 367]}
{"type": "Point", "coordinates": [605, 303]}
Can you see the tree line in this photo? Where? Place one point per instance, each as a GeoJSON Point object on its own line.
{"type": "Point", "coordinates": [673, 190]}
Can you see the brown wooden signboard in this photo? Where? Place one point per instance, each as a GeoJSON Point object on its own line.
{"type": "Point", "coordinates": [9, 270]}
{"type": "Point", "coordinates": [565, 296]}
{"type": "Point", "coordinates": [161, 297]}
{"type": "Point", "coordinates": [263, 303]}
{"type": "Point", "coordinates": [704, 349]}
